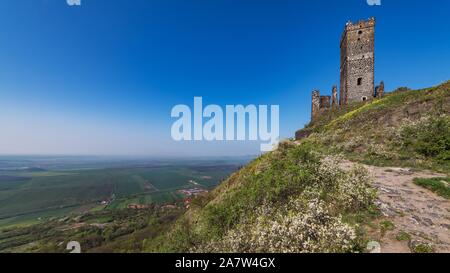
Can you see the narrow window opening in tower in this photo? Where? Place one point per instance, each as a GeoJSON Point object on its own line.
{"type": "Point", "coordinates": [360, 32]}
{"type": "Point", "coordinates": [359, 81]}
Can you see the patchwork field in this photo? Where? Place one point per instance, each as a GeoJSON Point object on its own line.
{"type": "Point", "coordinates": [28, 196]}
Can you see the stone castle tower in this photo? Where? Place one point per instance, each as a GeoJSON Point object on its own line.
{"type": "Point", "coordinates": [357, 61]}
{"type": "Point", "coordinates": [357, 73]}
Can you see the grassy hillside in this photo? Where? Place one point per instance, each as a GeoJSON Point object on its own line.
{"type": "Point", "coordinates": [298, 199]}
{"type": "Point", "coordinates": [405, 128]}
{"type": "Point", "coordinates": [100, 231]}
{"type": "Point", "coordinates": [290, 200]}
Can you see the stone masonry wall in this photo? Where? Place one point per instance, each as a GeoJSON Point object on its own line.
{"type": "Point", "coordinates": [357, 62]}
{"type": "Point", "coordinates": [315, 107]}
{"type": "Point", "coordinates": [356, 70]}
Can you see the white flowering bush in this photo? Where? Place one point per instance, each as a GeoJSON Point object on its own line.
{"type": "Point", "coordinates": [311, 221]}
{"type": "Point", "coordinates": [380, 151]}
{"type": "Point", "coordinates": [347, 190]}
{"type": "Point", "coordinates": [293, 228]}
{"type": "Point", "coordinates": [352, 144]}
{"type": "Point", "coordinates": [328, 173]}
{"type": "Point", "coordinates": [354, 190]}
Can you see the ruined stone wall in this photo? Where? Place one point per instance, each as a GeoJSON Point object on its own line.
{"type": "Point", "coordinates": [356, 70]}
{"type": "Point", "coordinates": [334, 96]}
{"type": "Point", "coordinates": [379, 91]}
{"type": "Point", "coordinates": [343, 72]}
{"type": "Point", "coordinates": [315, 101]}
{"type": "Point", "coordinates": [325, 102]}
{"type": "Point", "coordinates": [357, 62]}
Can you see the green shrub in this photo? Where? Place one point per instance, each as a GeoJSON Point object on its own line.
{"type": "Point", "coordinates": [386, 226]}
{"type": "Point", "coordinates": [429, 137]}
{"type": "Point", "coordinates": [422, 248]}
{"type": "Point", "coordinates": [403, 236]}
{"type": "Point", "coordinates": [439, 185]}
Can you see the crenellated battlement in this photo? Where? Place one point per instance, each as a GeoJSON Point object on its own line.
{"type": "Point", "coordinates": [361, 24]}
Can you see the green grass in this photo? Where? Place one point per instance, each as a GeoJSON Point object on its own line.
{"type": "Point", "coordinates": [423, 248]}
{"type": "Point", "coordinates": [169, 196]}
{"type": "Point", "coordinates": [34, 218]}
{"type": "Point", "coordinates": [439, 185]}
{"type": "Point", "coordinates": [403, 236]}
{"type": "Point", "coordinates": [386, 226]}
{"type": "Point", "coordinates": [98, 208]}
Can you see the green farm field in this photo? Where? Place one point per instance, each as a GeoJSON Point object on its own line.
{"type": "Point", "coordinates": [29, 197]}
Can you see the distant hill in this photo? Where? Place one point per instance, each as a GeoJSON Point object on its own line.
{"type": "Point", "coordinates": [35, 169]}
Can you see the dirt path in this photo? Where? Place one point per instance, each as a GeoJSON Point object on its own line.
{"type": "Point", "coordinates": [422, 214]}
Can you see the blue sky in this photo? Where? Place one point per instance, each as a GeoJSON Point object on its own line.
{"type": "Point", "coordinates": [102, 78]}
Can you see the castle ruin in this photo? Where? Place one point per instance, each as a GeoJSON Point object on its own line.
{"type": "Point", "coordinates": [356, 70]}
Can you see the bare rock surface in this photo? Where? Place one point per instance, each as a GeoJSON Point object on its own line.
{"type": "Point", "coordinates": [414, 210]}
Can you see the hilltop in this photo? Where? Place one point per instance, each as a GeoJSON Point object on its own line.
{"type": "Point", "coordinates": [405, 128]}
{"type": "Point", "coordinates": [310, 195]}
{"type": "Point", "coordinates": [372, 171]}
